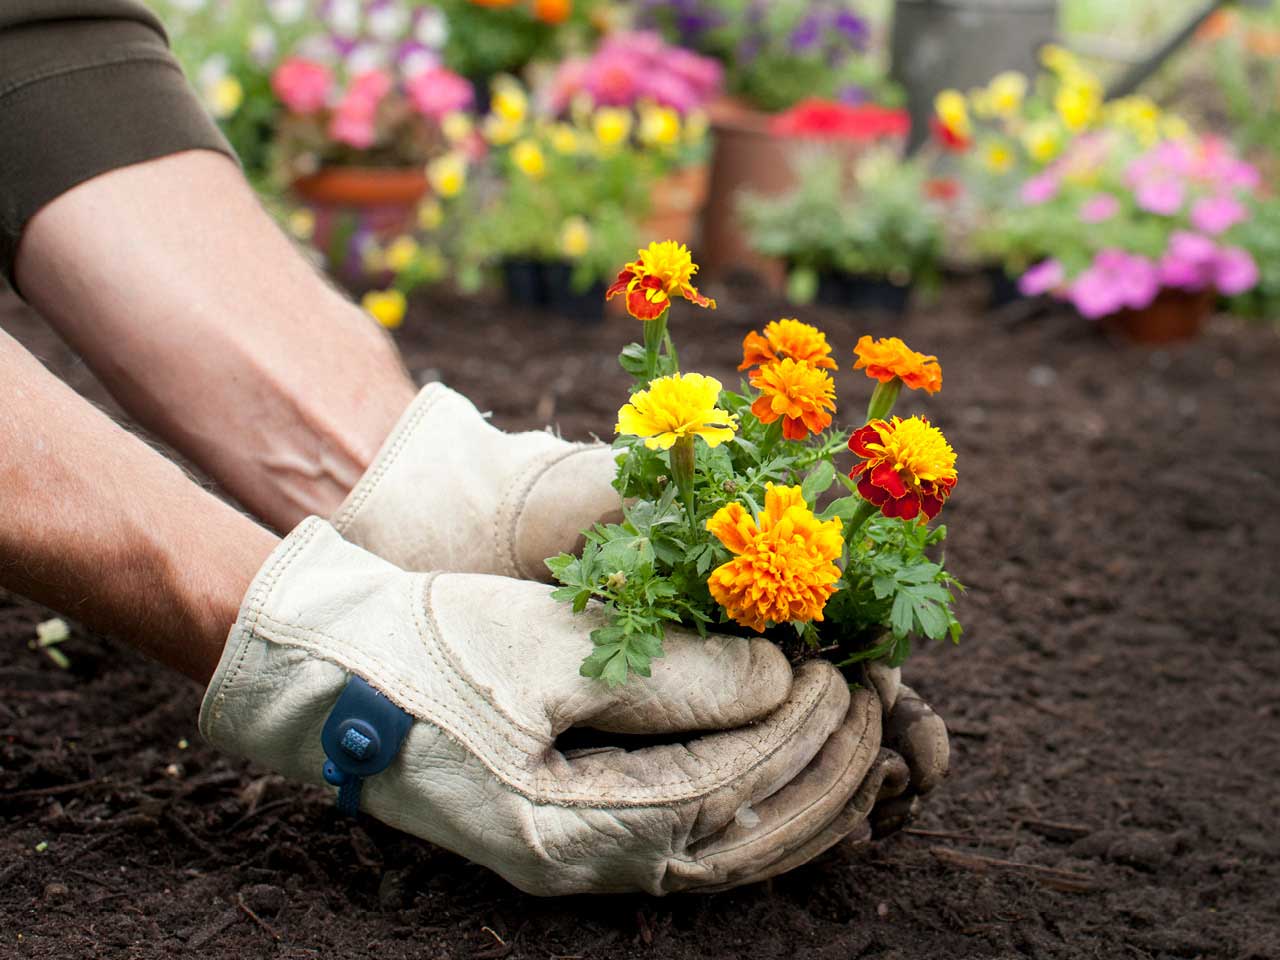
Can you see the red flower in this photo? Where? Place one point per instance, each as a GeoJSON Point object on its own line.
{"type": "Point", "coordinates": [908, 467]}
{"type": "Point", "coordinates": [829, 120]}
{"type": "Point", "coordinates": [948, 138]}
{"type": "Point", "coordinates": [945, 189]}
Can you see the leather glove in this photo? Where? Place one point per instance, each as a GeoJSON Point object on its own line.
{"type": "Point", "coordinates": [486, 670]}
{"type": "Point", "coordinates": [449, 491]}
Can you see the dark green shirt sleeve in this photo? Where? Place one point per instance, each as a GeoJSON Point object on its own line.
{"type": "Point", "coordinates": [86, 86]}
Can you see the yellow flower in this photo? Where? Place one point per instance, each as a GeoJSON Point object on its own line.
{"type": "Point", "coordinates": [997, 156]}
{"type": "Point", "coordinates": [575, 238]}
{"type": "Point", "coordinates": [1138, 115]}
{"type": "Point", "coordinates": [953, 111]}
{"type": "Point", "coordinates": [224, 97]}
{"type": "Point", "coordinates": [1042, 140]}
{"type": "Point", "coordinates": [447, 174]}
{"type": "Point", "coordinates": [499, 131]}
{"type": "Point", "coordinates": [1006, 92]}
{"type": "Point", "coordinates": [1174, 127]}
{"type": "Point", "coordinates": [457, 127]}
{"type": "Point", "coordinates": [659, 126]}
{"type": "Point", "coordinates": [430, 215]}
{"type": "Point", "coordinates": [1058, 58]}
{"type": "Point", "coordinates": [302, 224]}
{"type": "Point", "coordinates": [529, 160]}
{"type": "Point", "coordinates": [385, 306]}
{"type": "Point", "coordinates": [783, 567]}
{"type": "Point", "coordinates": [672, 408]}
{"type": "Point", "coordinates": [1077, 103]}
{"type": "Point", "coordinates": [401, 253]}
{"type": "Point", "coordinates": [509, 101]}
{"type": "Point", "coordinates": [663, 269]}
{"type": "Point", "coordinates": [565, 139]}
{"type": "Point", "coordinates": [611, 126]}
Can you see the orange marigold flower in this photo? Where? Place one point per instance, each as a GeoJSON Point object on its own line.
{"type": "Point", "coordinates": [908, 467]}
{"type": "Point", "coordinates": [889, 357]}
{"type": "Point", "coordinates": [787, 338]}
{"type": "Point", "coordinates": [784, 564]}
{"type": "Point", "coordinates": [663, 270]}
{"type": "Point", "coordinates": [552, 11]}
{"type": "Point", "coordinates": [800, 393]}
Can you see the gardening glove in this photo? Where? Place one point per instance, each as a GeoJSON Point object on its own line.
{"type": "Point", "coordinates": [449, 491]}
{"type": "Point", "coordinates": [482, 671]}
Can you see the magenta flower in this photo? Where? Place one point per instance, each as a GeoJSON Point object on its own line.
{"type": "Point", "coordinates": [1188, 262]}
{"type": "Point", "coordinates": [302, 85]}
{"type": "Point", "coordinates": [369, 87]}
{"type": "Point", "coordinates": [1160, 195]}
{"type": "Point", "coordinates": [439, 92]}
{"type": "Point", "coordinates": [1115, 280]}
{"type": "Point", "coordinates": [1235, 271]}
{"type": "Point", "coordinates": [1045, 276]}
{"type": "Point", "coordinates": [1040, 189]}
{"type": "Point", "coordinates": [1218, 214]}
{"type": "Point", "coordinates": [1099, 207]}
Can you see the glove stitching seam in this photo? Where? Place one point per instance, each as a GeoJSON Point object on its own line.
{"type": "Point", "coordinates": [515, 500]}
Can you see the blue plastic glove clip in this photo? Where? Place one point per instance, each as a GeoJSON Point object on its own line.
{"type": "Point", "coordinates": [361, 737]}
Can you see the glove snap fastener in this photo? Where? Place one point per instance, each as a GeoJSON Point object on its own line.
{"type": "Point", "coordinates": [361, 737]}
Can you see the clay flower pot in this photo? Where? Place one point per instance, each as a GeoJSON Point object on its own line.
{"type": "Point", "coordinates": [678, 200]}
{"type": "Point", "coordinates": [1174, 315]}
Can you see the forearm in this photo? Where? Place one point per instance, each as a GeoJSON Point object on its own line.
{"type": "Point", "coordinates": [99, 526]}
{"type": "Point", "coordinates": [213, 332]}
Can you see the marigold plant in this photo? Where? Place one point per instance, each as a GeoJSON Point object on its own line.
{"type": "Point", "coordinates": [749, 511]}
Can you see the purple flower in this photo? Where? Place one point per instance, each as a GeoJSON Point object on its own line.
{"type": "Point", "coordinates": [1160, 195]}
{"type": "Point", "coordinates": [1099, 207]}
{"type": "Point", "coordinates": [806, 36]}
{"type": "Point", "coordinates": [1040, 189]}
{"type": "Point", "coordinates": [1215, 215]}
{"type": "Point", "coordinates": [1235, 271]}
{"type": "Point", "coordinates": [853, 27]}
{"type": "Point", "coordinates": [1044, 276]}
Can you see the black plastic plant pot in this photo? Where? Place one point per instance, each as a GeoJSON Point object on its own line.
{"type": "Point", "coordinates": [524, 283]}
{"type": "Point", "coordinates": [854, 291]}
{"type": "Point", "coordinates": [1002, 289]}
{"type": "Point", "coordinates": [585, 307]}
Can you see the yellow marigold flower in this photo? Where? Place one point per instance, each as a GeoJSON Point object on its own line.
{"type": "Point", "coordinates": [611, 126]}
{"type": "Point", "coordinates": [565, 139]}
{"type": "Point", "coordinates": [401, 253]}
{"type": "Point", "coordinates": [457, 127]}
{"type": "Point", "coordinates": [889, 357]}
{"type": "Point", "coordinates": [224, 97]}
{"type": "Point", "coordinates": [800, 393]}
{"type": "Point", "coordinates": [302, 224]}
{"type": "Point", "coordinates": [509, 101]}
{"type": "Point", "coordinates": [953, 111]}
{"type": "Point", "coordinates": [385, 306]}
{"type": "Point", "coordinates": [997, 156]}
{"type": "Point", "coordinates": [1057, 58]}
{"type": "Point", "coordinates": [907, 468]}
{"type": "Point", "coordinates": [659, 126]}
{"type": "Point", "coordinates": [529, 159]}
{"type": "Point", "coordinates": [430, 215]}
{"type": "Point", "coordinates": [663, 269]}
{"type": "Point", "coordinates": [499, 131]}
{"type": "Point", "coordinates": [1042, 140]}
{"type": "Point", "coordinates": [787, 338]}
{"type": "Point", "coordinates": [1006, 92]}
{"type": "Point", "coordinates": [672, 408]}
{"type": "Point", "coordinates": [575, 238]}
{"type": "Point", "coordinates": [447, 174]}
{"type": "Point", "coordinates": [1078, 103]}
{"type": "Point", "coordinates": [783, 567]}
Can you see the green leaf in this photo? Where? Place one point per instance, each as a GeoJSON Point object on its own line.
{"type": "Point", "coordinates": [632, 359]}
{"type": "Point", "coordinates": [818, 481]}
{"type": "Point", "coordinates": [902, 617]}
{"type": "Point", "coordinates": [844, 508]}
{"type": "Point", "coordinates": [933, 620]}
{"type": "Point", "coordinates": [615, 669]}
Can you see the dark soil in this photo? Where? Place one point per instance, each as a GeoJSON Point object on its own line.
{"type": "Point", "coordinates": [1115, 702]}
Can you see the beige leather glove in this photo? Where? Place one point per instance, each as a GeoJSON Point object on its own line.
{"type": "Point", "coordinates": [449, 491]}
{"type": "Point", "coordinates": [487, 669]}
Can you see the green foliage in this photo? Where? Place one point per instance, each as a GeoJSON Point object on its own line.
{"type": "Point", "coordinates": [1260, 235]}
{"type": "Point", "coordinates": [485, 41]}
{"type": "Point", "coordinates": [873, 220]}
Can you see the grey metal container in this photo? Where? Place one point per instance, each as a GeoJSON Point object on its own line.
{"type": "Point", "coordinates": [963, 43]}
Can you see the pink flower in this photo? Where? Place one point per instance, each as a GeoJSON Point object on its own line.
{"type": "Point", "coordinates": [438, 92]}
{"type": "Point", "coordinates": [1187, 263]}
{"type": "Point", "coordinates": [370, 87]}
{"type": "Point", "coordinates": [1160, 195]}
{"type": "Point", "coordinates": [1040, 189]}
{"type": "Point", "coordinates": [353, 125]}
{"type": "Point", "coordinates": [1215, 215]}
{"type": "Point", "coordinates": [1099, 207]}
{"type": "Point", "coordinates": [1044, 276]}
{"type": "Point", "coordinates": [1235, 271]}
{"type": "Point", "coordinates": [302, 85]}
{"type": "Point", "coordinates": [1115, 280]}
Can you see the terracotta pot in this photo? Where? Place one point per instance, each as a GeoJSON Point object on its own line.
{"type": "Point", "coordinates": [363, 186]}
{"type": "Point", "coordinates": [677, 206]}
{"type": "Point", "coordinates": [1174, 315]}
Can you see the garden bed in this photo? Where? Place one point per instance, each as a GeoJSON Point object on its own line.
{"type": "Point", "coordinates": [1113, 704]}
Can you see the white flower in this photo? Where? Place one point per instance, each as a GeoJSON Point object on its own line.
{"type": "Point", "coordinates": [287, 11]}
{"type": "Point", "coordinates": [432, 29]}
{"type": "Point", "coordinates": [418, 61]}
{"type": "Point", "coordinates": [388, 22]}
{"type": "Point", "coordinates": [344, 17]}
{"type": "Point", "coordinates": [365, 57]}
{"type": "Point", "coordinates": [261, 44]}
{"type": "Point", "coordinates": [211, 71]}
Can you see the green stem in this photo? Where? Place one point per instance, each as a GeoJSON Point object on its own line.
{"type": "Point", "coordinates": [866, 510]}
{"type": "Point", "coordinates": [883, 398]}
{"type": "Point", "coordinates": [682, 463]}
{"type": "Point", "coordinates": [655, 332]}
{"type": "Point", "coordinates": [772, 434]}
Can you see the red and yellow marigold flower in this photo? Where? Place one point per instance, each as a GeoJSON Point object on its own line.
{"type": "Point", "coordinates": [786, 338]}
{"type": "Point", "coordinates": [907, 468]}
{"type": "Point", "coordinates": [784, 564]}
{"type": "Point", "coordinates": [674, 408]}
{"type": "Point", "coordinates": [664, 269]}
{"type": "Point", "coordinates": [889, 357]}
{"type": "Point", "coordinates": [798, 392]}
